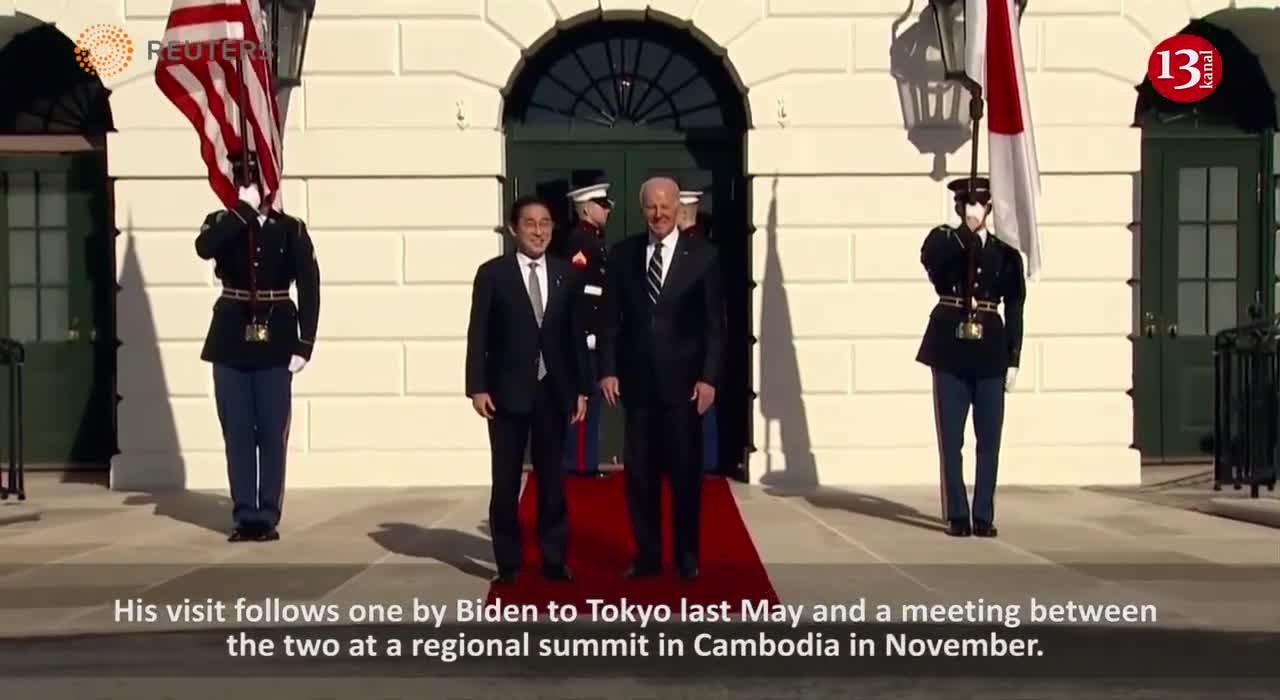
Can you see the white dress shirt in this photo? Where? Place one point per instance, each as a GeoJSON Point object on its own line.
{"type": "Point", "coordinates": [525, 261]}
{"type": "Point", "coordinates": [668, 251]}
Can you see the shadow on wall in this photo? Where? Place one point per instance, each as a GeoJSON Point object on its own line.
{"type": "Point", "coordinates": [781, 394]}
{"type": "Point", "coordinates": [147, 430]}
{"type": "Point", "coordinates": [935, 111]}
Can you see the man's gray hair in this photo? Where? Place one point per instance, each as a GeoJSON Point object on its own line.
{"type": "Point", "coordinates": [660, 180]}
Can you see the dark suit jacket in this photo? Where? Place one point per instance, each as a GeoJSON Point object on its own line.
{"type": "Point", "coordinates": [503, 337]}
{"type": "Point", "coordinates": [658, 352]}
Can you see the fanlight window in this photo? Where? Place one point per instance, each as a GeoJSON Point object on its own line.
{"type": "Point", "coordinates": [625, 80]}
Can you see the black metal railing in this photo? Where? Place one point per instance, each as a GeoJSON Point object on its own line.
{"type": "Point", "coordinates": [1246, 405]}
{"type": "Point", "coordinates": [13, 354]}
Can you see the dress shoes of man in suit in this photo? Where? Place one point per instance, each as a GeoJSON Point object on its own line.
{"type": "Point", "coordinates": [527, 375]}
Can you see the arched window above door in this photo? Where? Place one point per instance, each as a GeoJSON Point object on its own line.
{"type": "Point", "coordinates": [60, 97]}
{"type": "Point", "coordinates": [625, 74]}
{"type": "Point", "coordinates": [1245, 101]}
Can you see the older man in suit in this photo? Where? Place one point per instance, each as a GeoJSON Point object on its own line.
{"type": "Point", "coordinates": [527, 375]}
{"type": "Point", "coordinates": [661, 348]}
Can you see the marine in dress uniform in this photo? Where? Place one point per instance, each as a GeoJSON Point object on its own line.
{"type": "Point", "coordinates": [258, 339]}
{"type": "Point", "coordinates": [687, 223]}
{"type": "Point", "coordinates": [973, 351]}
{"type": "Point", "coordinates": [587, 251]}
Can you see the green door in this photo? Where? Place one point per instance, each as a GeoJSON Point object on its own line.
{"type": "Point", "coordinates": [547, 169]}
{"type": "Point", "coordinates": [1201, 273]}
{"type": "Point", "coordinates": [57, 288]}
{"type": "Point", "coordinates": [717, 172]}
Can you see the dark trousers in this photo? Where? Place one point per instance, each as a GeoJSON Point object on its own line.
{"type": "Point", "coordinates": [952, 397]}
{"type": "Point", "coordinates": [710, 442]}
{"type": "Point", "coordinates": [582, 440]}
{"type": "Point", "coordinates": [254, 410]}
{"type": "Point", "coordinates": [542, 430]}
{"type": "Point", "coordinates": [659, 436]}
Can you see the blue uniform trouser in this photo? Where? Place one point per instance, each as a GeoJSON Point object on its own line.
{"type": "Point", "coordinates": [710, 442]}
{"type": "Point", "coordinates": [582, 440]}
{"type": "Point", "coordinates": [254, 410]}
{"type": "Point", "coordinates": [953, 395]}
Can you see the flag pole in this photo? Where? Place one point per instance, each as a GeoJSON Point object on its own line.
{"type": "Point", "coordinates": [244, 121]}
{"type": "Point", "coordinates": [275, 41]}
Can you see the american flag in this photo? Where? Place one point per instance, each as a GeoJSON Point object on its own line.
{"type": "Point", "coordinates": [210, 90]}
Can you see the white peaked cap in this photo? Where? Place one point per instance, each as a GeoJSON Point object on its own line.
{"type": "Point", "coordinates": [690, 197]}
{"type": "Point", "coordinates": [590, 192]}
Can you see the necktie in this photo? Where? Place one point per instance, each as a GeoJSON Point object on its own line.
{"type": "Point", "coordinates": [655, 273]}
{"type": "Point", "coordinates": [535, 297]}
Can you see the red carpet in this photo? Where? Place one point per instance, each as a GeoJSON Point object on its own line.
{"type": "Point", "coordinates": [600, 548]}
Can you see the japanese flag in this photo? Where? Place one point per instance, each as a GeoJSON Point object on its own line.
{"type": "Point", "coordinates": [994, 59]}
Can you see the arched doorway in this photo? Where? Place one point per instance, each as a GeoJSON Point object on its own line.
{"type": "Point", "coordinates": [636, 99]}
{"type": "Point", "coordinates": [57, 284]}
{"type": "Point", "coordinates": [1207, 240]}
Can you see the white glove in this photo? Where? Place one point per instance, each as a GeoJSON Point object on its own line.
{"type": "Point", "coordinates": [591, 341]}
{"type": "Point", "coordinates": [251, 196]}
{"type": "Point", "coordinates": [296, 363]}
{"type": "Point", "coordinates": [1010, 378]}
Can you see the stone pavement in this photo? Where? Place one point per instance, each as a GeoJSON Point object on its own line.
{"type": "Point", "coordinates": [70, 551]}
{"type": "Point", "coordinates": [73, 549]}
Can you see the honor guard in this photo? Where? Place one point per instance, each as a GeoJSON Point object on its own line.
{"type": "Point", "coordinates": [973, 351]}
{"type": "Point", "coordinates": [258, 339]}
{"type": "Point", "coordinates": [687, 223]}
{"type": "Point", "coordinates": [586, 249]}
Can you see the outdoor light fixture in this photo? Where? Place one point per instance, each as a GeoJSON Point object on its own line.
{"type": "Point", "coordinates": [949, 17]}
{"type": "Point", "coordinates": [290, 22]}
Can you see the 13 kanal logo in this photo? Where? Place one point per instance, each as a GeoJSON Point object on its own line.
{"type": "Point", "coordinates": [1185, 68]}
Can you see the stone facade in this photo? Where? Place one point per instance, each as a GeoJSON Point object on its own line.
{"type": "Point", "coordinates": [395, 154]}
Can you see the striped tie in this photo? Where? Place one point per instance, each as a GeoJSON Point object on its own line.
{"type": "Point", "coordinates": [655, 273]}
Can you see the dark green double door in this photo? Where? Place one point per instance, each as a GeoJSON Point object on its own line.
{"type": "Point", "coordinates": [548, 171]}
{"type": "Point", "coordinates": [1202, 268]}
{"type": "Point", "coordinates": [56, 291]}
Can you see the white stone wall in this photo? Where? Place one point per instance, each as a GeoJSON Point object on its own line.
{"type": "Point", "coordinates": [395, 153]}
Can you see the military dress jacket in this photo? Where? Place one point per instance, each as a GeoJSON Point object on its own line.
{"type": "Point", "coordinates": [994, 276]}
{"type": "Point", "coordinates": [587, 252]}
{"type": "Point", "coordinates": [273, 256]}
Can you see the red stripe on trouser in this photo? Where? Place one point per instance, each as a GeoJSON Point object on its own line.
{"type": "Point", "coordinates": [582, 444]}
{"type": "Point", "coordinates": [284, 461]}
{"type": "Point", "coordinates": [942, 470]}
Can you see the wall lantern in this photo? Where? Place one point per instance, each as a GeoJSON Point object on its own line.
{"type": "Point", "coordinates": [290, 22]}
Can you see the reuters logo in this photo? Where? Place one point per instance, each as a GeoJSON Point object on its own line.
{"type": "Point", "coordinates": [104, 50]}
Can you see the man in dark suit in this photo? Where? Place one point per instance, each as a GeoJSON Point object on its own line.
{"type": "Point", "coordinates": [661, 349]}
{"type": "Point", "coordinates": [527, 375]}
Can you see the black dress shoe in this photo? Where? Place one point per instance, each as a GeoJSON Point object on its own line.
{"type": "Point", "coordinates": [688, 573]}
{"type": "Point", "coordinates": [959, 528]}
{"type": "Point", "coordinates": [267, 535]}
{"type": "Point", "coordinates": [558, 572]}
{"type": "Point", "coordinates": [241, 534]}
{"type": "Point", "coordinates": [641, 571]}
{"type": "Point", "coordinates": [981, 529]}
{"type": "Point", "coordinates": [504, 578]}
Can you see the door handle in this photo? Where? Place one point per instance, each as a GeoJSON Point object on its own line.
{"type": "Point", "coordinates": [1150, 329]}
{"type": "Point", "coordinates": [1173, 330]}
{"type": "Point", "coordinates": [73, 334]}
